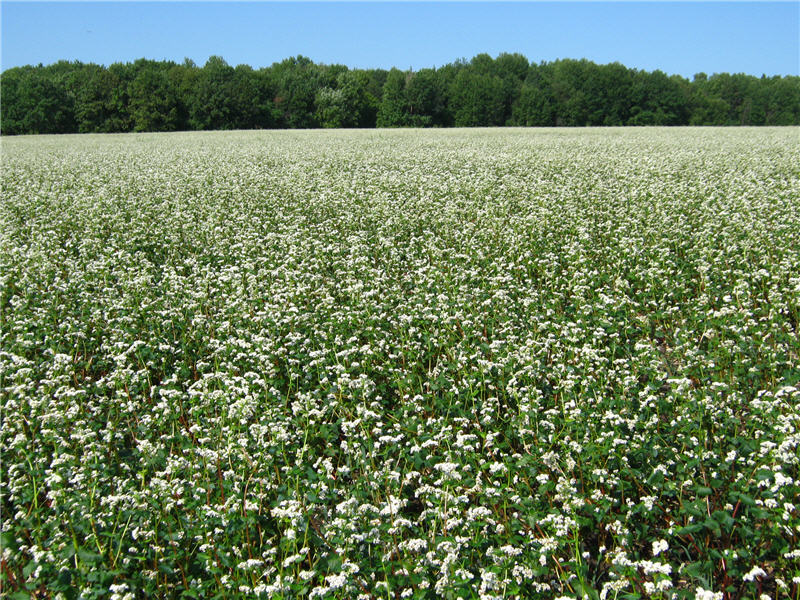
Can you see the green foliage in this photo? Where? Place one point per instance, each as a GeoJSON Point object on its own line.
{"type": "Point", "coordinates": [92, 87]}
{"type": "Point", "coordinates": [35, 101]}
{"type": "Point", "coordinates": [425, 99]}
{"type": "Point", "coordinates": [297, 84]}
{"type": "Point", "coordinates": [213, 102]}
{"type": "Point", "coordinates": [153, 99]}
{"type": "Point", "coordinates": [477, 99]}
{"type": "Point", "coordinates": [392, 110]}
{"type": "Point", "coordinates": [297, 93]}
{"type": "Point", "coordinates": [533, 107]}
{"type": "Point", "coordinates": [346, 105]}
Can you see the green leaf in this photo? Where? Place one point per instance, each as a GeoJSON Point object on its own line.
{"type": "Point", "coordinates": [28, 569]}
{"type": "Point", "coordinates": [711, 524]}
{"type": "Point", "coordinates": [89, 557]}
{"type": "Point", "coordinates": [7, 540]}
{"type": "Point", "coordinates": [698, 570]}
{"type": "Point", "coordinates": [689, 529]}
{"type": "Point", "coordinates": [65, 577]}
{"type": "Point", "coordinates": [585, 591]}
{"type": "Point", "coordinates": [695, 509]}
{"type": "Point", "coordinates": [723, 518]}
{"type": "Point", "coordinates": [763, 475]}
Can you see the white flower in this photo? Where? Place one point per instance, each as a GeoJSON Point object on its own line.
{"type": "Point", "coordinates": [336, 581]}
{"type": "Point", "coordinates": [660, 546]}
{"type": "Point", "coordinates": [753, 573]}
{"type": "Point", "coordinates": [703, 594]}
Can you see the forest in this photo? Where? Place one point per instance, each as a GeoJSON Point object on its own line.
{"type": "Point", "coordinates": [510, 90]}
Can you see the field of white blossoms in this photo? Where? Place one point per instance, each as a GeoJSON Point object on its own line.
{"type": "Point", "coordinates": [401, 364]}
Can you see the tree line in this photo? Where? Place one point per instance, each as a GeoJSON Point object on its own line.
{"type": "Point", "coordinates": [148, 95]}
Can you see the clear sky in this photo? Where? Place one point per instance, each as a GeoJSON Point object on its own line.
{"type": "Point", "coordinates": [676, 37]}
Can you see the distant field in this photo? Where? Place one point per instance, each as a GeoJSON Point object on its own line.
{"type": "Point", "coordinates": [504, 363]}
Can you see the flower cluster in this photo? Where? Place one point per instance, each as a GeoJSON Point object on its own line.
{"type": "Point", "coordinates": [408, 364]}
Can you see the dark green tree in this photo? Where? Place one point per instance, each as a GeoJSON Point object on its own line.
{"type": "Point", "coordinates": [392, 110]}
{"type": "Point", "coordinates": [532, 107]}
{"type": "Point", "coordinates": [35, 102]}
{"type": "Point", "coordinates": [120, 77]}
{"type": "Point", "coordinates": [332, 110]}
{"type": "Point", "coordinates": [297, 84]}
{"type": "Point", "coordinates": [425, 99]}
{"type": "Point", "coordinates": [508, 90]}
{"type": "Point", "coordinates": [91, 87]}
{"type": "Point", "coordinates": [657, 100]}
{"type": "Point", "coordinates": [153, 99]}
{"type": "Point", "coordinates": [513, 70]}
{"type": "Point", "coordinates": [477, 98]}
{"type": "Point", "coordinates": [783, 101]}
{"type": "Point", "coordinates": [212, 103]}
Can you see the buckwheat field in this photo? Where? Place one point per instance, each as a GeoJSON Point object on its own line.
{"type": "Point", "coordinates": [505, 363]}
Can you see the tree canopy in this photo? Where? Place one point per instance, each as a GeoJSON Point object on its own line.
{"type": "Point", "coordinates": [148, 95]}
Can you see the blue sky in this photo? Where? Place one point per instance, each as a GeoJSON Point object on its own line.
{"type": "Point", "coordinates": [678, 37]}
